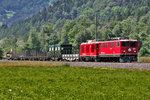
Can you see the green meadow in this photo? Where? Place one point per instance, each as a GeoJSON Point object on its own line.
{"type": "Point", "coordinates": [49, 81]}
{"type": "Point", "coordinates": [9, 15]}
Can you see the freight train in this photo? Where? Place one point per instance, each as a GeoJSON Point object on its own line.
{"type": "Point", "coordinates": [118, 49]}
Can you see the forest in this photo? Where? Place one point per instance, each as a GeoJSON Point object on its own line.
{"type": "Point", "coordinates": [73, 21]}
{"type": "Point", "coordinates": [14, 11]}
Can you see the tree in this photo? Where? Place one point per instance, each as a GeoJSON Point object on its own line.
{"type": "Point", "coordinates": [145, 50]}
{"type": "Point", "coordinates": [9, 43]}
{"type": "Point", "coordinates": [4, 26]}
{"type": "Point", "coordinates": [107, 33]}
{"type": "Point", "coordinates": [47, 29]}
{"type": "Point", "coordinates": [46, 32]}
{"type": "Point", "coordinates": [79, 28]}
{"type": "Point", "coordinates": [65, 31]}
{"type": "Point", "coordinates": [117, 30]}
{"type": "Point", "coordinates": [33, 41]}
{"type": "Point", "coordinates": [53, 39]}
{"type": "Point", "coordinates": [81, 37]}
{"type": "Point", "coordinates": [1, 53]}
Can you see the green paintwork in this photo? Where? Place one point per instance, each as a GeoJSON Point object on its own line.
{"type": "Point", "coordinates": [57, 50]}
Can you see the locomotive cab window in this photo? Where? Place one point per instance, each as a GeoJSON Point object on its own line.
{"type": "Point", "coordinates": [125, 44]}
{"type": "Point", "coordinates": [133, 44]}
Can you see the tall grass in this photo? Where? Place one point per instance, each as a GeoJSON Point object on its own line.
{"type": "Point", "coordinates": [29, 64]}
{"type": "Point", "coordinates": [143, 59]}
{"type": "Point", "coordinates": [71, 83]}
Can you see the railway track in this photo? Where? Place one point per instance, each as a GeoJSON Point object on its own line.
{"type": "Point", "coordinates": [134, 65]}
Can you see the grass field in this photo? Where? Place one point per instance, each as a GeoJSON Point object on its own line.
{"type": "Point", "coordinates": [9, 15]}
{"type": "Point", "coordinates": [41, 81]}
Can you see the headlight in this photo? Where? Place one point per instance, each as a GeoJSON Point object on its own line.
{"type": "Point", "coordinates": [124, 51]}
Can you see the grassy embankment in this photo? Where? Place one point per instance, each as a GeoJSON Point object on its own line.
{"type": "Point", "coordinates": [41, 81]}
{"type": "Point", "coordinates": [143, 59]}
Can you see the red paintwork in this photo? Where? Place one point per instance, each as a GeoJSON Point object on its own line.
{"type": "Point", "coordinates": [86, 48]}
{"type": "Point", "coordinates": [110, 49]}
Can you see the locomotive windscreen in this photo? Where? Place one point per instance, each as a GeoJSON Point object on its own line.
{"type": "Point", "coordinates": [129, 44]}
{"type": "Point", "coordinates": [133, 44]}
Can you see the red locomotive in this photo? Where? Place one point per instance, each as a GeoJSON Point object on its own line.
{"type": "Point", "coordinates": [117, 49]}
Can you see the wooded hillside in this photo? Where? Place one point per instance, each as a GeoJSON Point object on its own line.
{"type": "Point", "coordinates": [13, 11]}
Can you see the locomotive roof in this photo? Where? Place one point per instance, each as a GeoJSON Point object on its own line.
{"type": "Point", "coordinates": [93, 42]}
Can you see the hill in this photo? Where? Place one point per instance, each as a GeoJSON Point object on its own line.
{"type": "Point", "coordinates": [13, 11]}
{"type": "Point", "coordinates": [74, 19]}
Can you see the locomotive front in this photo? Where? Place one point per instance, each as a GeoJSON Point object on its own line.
{"type": "Point", "coordinates": [129, 50]}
